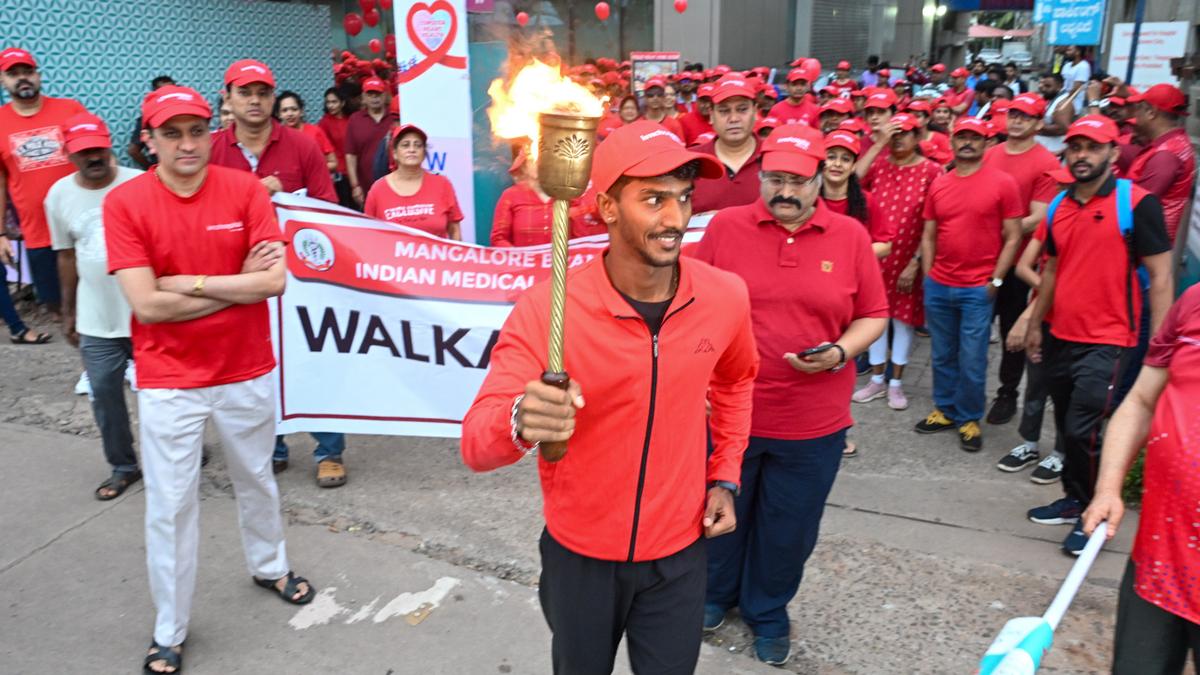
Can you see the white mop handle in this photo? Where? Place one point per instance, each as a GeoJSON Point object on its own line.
{"type": "Point", "coordinates": [1075, 578]}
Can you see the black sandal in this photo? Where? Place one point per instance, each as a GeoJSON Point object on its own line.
{"type": "Point", "coordinates": [172, 658]}
{"type": "Point", "coordinates": [23, 338]}
{"type": "Point", "coordinates": [289, 589]}
{"type": "Point", "coordinates": [118, 481]}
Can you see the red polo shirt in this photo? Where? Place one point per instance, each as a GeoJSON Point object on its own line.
{"type": "Point", "coordinates": [970, 213]}
{"type": "Point", "coordinates": [1093, 277]}
{"type": "Point", "coordinates": [789, 113]}
{"type": "Point", "coordinates": [735, 188]}
{"type": "Point", "coordinates": [363, 135]}
{"type": "Point", "coordinates": [805, 288]}
{"type": "Point", "coordinates": [210, 232]}
{"type": "Point", "coordinates": [290, 156]}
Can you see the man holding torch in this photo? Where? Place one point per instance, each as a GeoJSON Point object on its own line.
{"type": "Point", "coordinates": [652, 336]}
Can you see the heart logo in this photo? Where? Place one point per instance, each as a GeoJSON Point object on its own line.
{"type": "Point", "coordinates": [431, 29]}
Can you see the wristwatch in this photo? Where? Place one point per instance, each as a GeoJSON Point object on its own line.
{"type": "Point", "coordinates": [732, 487]}
{"type": "Point", "coordinates": [997, 282]}
{"type": "Point", "coordinates": [841, 359]}
{"type": "Point", "coordinates": [198, 287]}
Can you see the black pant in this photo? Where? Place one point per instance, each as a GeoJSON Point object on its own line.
{"type": "Point", "coordinates": [1082, 379]}
{"type": "Point", "coordinates": [1149, 639]}
{"type": "Point", "coordinates": [1011, 300]}
{"type": "Point", "coordinates": [1034, 408]}
{"type": "Point", "coordinates": [589, 604]}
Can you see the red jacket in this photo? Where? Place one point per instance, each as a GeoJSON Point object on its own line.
{"type": "Point", "coordinates": [633, 483]}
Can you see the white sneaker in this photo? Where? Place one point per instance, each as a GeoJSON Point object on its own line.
{"type": "Point", "coordinates": [84, 386]}
{"type": "Point", "coordinates": [870, 392]}
{"type": "Point", "coordinates": [131, 376]}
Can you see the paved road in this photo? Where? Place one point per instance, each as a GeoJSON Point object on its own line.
{"type": "Point", "coordinates": [924, 554]}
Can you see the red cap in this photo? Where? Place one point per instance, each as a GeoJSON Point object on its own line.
{"type": "Point", "coordinates": [14, 56]}
{"type": "Point", "coordinates": [170, 101]}
{"type": "Point", "coordinates": [858, 93]}
{"type": "Point", "coordinates": [374, 84]}
{"type": "Point", "coordinates": [406, 128]}
{"type": "Point", "coordinates": [1061, 175]}
{"type": "Point", "coordinates": [767, 122]}
{"type": "Point", "coordinates": [1000, 105]}
{"type": "Point", "coordinates": [837, 105]}
{"type": "Point", "coordinates": [940, 103]}
{"type": "Point", "coordinates": [768, 90]}
{"type": "Point", "coordinates": [1096, 127]}
{"type": "Point", "coordinates": [907, 122]}
{"type": "Point", "coordinates": [706, 90]}
{"type": "Point", "coordinates": [84, 132]}
{"type": "Point", "coordinates": [793, 148]}
{"type": "Point", "coordinates": [885, 73]}
{"type": "Point", "coordinates": [1165, 97]}
{"type": "Point", "coordinates": [1116, 100]}
{"type": "Point", "coordinates": [1030, 104]}
{"type": "Point", "coordinates": [685, 75]}
{"type": "Point", "coordinates": [730, 86]}
{"type": "Point", "coordinates": [973, 124]}
{"type": "Point", "coordinates": [655, 81]}
{"type": "Point", "coordinates": [722, 70]}
{"type": "Point", "coordinates": [840, 138]}
{"type": "Point", "coordinates": [248, 71]}
{"type": "Point", "coordinates": [919, 105]}
{"type": "Point", "coordinates": [843, 65]}
{"type": "Point", "coordinates": [881, 98]}
{"type": "Point", "coordinates": [938, 68]}
{"type": "Point", "coordinates": [644, 149]}
{"type": "Point", "coordinates": [703, 138]}
{"type": "Point", "coordinates": [960, 72]}
{"type": "Point", "coordinates": [797, 73]}
{"type": "Point", "coordinates": [853, 125]}
{"type": "Point", "coordinates": [611, 77]}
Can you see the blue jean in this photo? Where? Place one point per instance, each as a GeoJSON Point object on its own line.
{"type": "Point", "coordinates": [105, 360]}
{"type": "Point", "coordinates": [8, 311]}
{"type": "Point", "coordinates": [43, 268]}
{"type": "Point", "coordinates": [960, 323]}
{"type": "Point", "coordinates": [758, 566]}
{"type": "Point", "coordinates": [329, 446]}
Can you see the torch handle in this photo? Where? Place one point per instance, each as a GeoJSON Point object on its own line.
{"type": "Point", "coordinates": [552, 452]}
{"type": "Point", "coordinates": [558, 282]}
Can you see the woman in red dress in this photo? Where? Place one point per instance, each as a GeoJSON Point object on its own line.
{"type": "Point", "coordinates": [334, 124]}
{"type": "Point", "coordinates": [899, 184]}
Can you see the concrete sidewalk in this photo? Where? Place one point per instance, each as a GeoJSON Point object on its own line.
{"type": "Point", "coordinates": [73, 579]}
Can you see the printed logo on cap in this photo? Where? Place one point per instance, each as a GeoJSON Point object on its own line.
{"type": "Point", "coordinates": [802, 143]}
{"type": "Point", "coordinates": [86, 126]}
{"type": "Point", "coordinates": [661, 132]}
{"type": "Point", "coordinates": [1090, 123]}
{"type": "Point", "coordinates": [181, 95]}
{"type": "Point", "coordinates": [8, 53]}
{"type": "Point", "coordinates": [258, 69]}
{"type": "Point", "coordinates": [736, 83]}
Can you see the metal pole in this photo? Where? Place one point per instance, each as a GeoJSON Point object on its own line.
{"type": "Point", "coordinates": [1138, 15]}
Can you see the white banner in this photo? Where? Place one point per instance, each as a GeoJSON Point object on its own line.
{"type": "Point", "coordinates": [1158, 43]}
{"type": "Point", "coordinates": [435, 91]}
{"type": "Point", "coordinates": [387, 330]}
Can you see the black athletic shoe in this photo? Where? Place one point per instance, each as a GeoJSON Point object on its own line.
{"type": "Point", "coordinates": [1018, 458]}
{"type": "Point", "coordinates": [1004, 408]}
{"type": "Point", "coordinates": [934, 423]}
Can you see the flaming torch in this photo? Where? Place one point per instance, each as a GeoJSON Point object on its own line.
{"type": "Point", "coordinates": [559, 117]}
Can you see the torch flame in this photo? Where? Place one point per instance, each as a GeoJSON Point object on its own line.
{"type": "Point", "coordinates": [537, 88]}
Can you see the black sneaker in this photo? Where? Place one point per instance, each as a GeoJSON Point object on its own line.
{"type": "Point", "coordinates": [970, 437]}
{"type": "Point", "coordinates": [1048, 471]}
{"type": "Point", "coordinates": [1065, 511]}
{"type": "Point", "coordinates": [934, 423]}
{"type": "Point", "coordinates": [1018, 458]}
{"type": "Point", "coordinates": [1004, 408]}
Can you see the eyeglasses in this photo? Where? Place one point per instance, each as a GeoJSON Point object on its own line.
{"type": "Point", "coordinates": [778, 182]}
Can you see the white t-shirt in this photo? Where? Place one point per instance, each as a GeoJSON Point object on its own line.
{"type": "Point", "coordinates": [1076, 72]}
{"type": "Point", "coordinates": [74, 215]}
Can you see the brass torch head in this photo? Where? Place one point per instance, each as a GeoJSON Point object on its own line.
{"type": "Point", "coordinates": [565, 154]}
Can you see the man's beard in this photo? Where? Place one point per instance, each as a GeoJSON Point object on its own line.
{"type": "Point", "coordinates": [25, 90]}
{"type": "Point", "coordinates": [1095, 173]}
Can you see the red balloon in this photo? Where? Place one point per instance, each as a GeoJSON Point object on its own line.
{"type": "Point", "coordinates": [681, 6]}
{"type": "Point", "coordinates": [522, 18]}
{"type": "Point", "coordinates": [353, 24]}
{"type": "Point", "coordinates": [602, 11]}
{"type": "Point", "coordinates": [371, 17]}
{"type": "Point", "coordinates": [375, 45]}
{"type": "Point", "coordinates": [367, 5]}
{"type": "Point", "coordinates": [389, 41]}
{"type": "Point", "coordinates": [386, 4]}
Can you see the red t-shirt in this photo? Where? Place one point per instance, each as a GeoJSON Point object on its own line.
{"type": "Point", "coordinates": [694, 124]}
{"type": "Point", "coordinates": [210, 232]}
{"type": "Point", "coordinates": [1164, 551]}
{"type": "Point", "coordinates": [970, 214]}
{"type": "Point", "coordinates": [831, 253]}
{"type": "Point", "coordinates": [34, 157]}
{"type": "Point", "coordinates": [289, 155]}
{"type": "Point", "coordinates": [521, 217]}
{"type": "Point", "coordinates": [431, 208]}
{"type": "Point", "coordinates": [880, 228]}
{"type": "Point", "coordinates": [1028, 169]}
{"type": "Point", "coordinates": [671, 124]}
{"type": "Point", "coordinates": [937, 148]}
{"type": "Point", "coordinates": [735, 188]}
{"type": "Point", "coordinates": [789, 113]}
{"type": "Point", "coordinates": [1093, 277]}
{"type": "Point", "coordinates": [314, 132]}
{"type": "Point", "coordinates": [335, 129]}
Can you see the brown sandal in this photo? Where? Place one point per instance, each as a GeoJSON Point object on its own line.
{"type": "Point", "coordinates": [331, 473]}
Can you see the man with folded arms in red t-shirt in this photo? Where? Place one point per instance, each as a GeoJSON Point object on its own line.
{"type": "Point", "coordinates": [650, 336]}
{"type": "Point", "coordinates": [197, 251]}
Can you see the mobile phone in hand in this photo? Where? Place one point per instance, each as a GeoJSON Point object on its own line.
{"type": "Point", "coordinates": [816, 350]}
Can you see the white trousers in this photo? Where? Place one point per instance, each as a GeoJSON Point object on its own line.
{"type": "Point", "coordinates": [171, 424]}
{"type": "Point", "coordinates": [902, 340]}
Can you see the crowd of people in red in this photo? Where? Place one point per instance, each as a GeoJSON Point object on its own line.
{"type": "Point", "coordinates": [850, 213]}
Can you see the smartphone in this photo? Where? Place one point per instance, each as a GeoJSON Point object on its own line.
{"type": "Point", "coordinates": [816, 350]}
